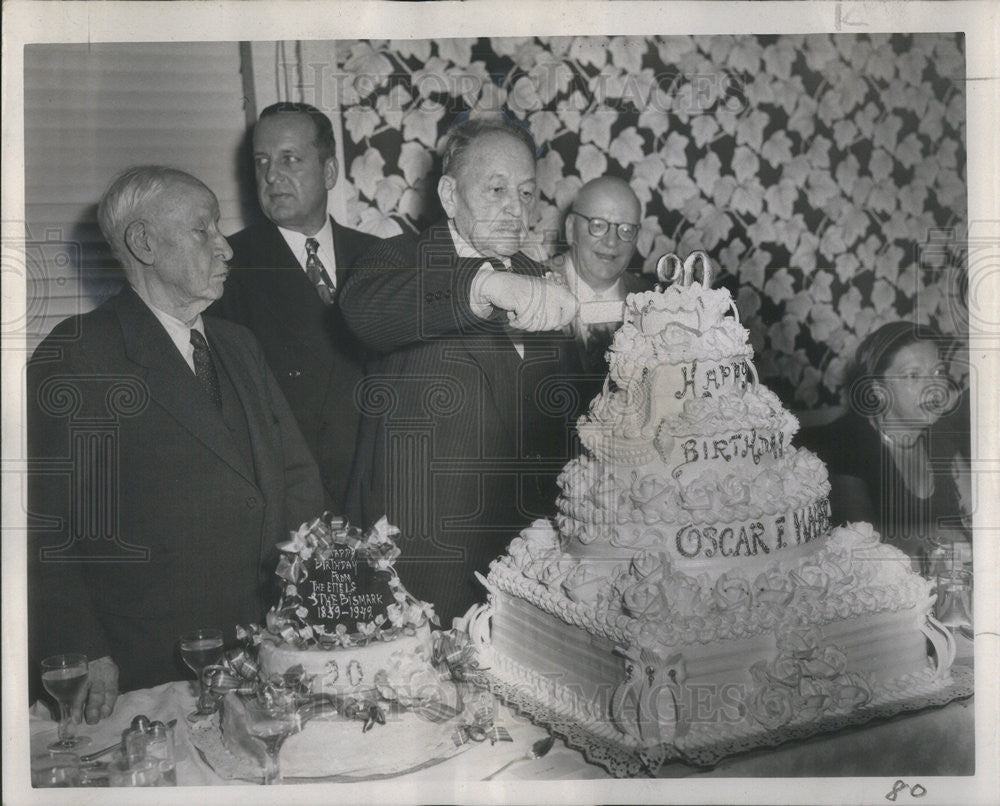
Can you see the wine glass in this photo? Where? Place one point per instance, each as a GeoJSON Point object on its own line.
{"type": "Point", "coordinates": [954, 605]}
{"type": "Point", "coordinates": [64, 676]}
{"type": "Point", "coordinates": [200, 648]}
{"type": "Point", "coordinates": [272, 721]}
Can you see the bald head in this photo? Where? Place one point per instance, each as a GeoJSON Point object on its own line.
{"type": "Point", "coordinates": [609, 190]}
{"type": "Point", "coordinates": [601, 257]}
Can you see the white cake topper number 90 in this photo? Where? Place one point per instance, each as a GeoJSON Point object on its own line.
{"type": "Point", "coordinates": [682, 272]}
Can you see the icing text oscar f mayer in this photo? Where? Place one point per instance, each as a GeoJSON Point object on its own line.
{"type": "Point", "coordinates": [701, 383]}
{"type": "Point", "coordinates": [739, 445]}
{"type": "Point", "coordinates": [750, 539]}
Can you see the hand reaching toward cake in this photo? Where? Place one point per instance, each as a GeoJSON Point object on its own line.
{"type": "Point", "coordinates": [531, 303]}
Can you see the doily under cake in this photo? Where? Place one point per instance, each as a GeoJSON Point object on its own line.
{"type": "Point", "coordinates": [605, 746]}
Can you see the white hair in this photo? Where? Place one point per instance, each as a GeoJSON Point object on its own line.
{"type": "Point", "coordinates": [130, 191]}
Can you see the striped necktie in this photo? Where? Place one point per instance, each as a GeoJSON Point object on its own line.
{"type": "Point", "coordinates": [316, 272]}
{"type": "Point", "coordinates": [204, 367]}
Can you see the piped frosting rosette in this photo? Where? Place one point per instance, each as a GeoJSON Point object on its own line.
{"type": "Point", "coordinates": [318, 539]}
{"type": "Point", "coordinates": [661, 606]}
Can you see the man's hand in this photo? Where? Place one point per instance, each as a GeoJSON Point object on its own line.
{"type": "Point", "coordinates": [97, 699]}
{"type": "Point", "coordinates": [532, 303]}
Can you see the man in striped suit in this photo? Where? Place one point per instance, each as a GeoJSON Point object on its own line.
{"type": "Point", "coordinates": [466, 420]}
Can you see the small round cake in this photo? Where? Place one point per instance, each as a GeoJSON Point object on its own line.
{"type": "Point", "coordinates": [343, 620]}
{"type": "Point", "coordinates": [344, 669]}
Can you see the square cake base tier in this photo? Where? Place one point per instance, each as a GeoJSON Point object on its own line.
{"type": "Point", "coordinates": [567, 679]}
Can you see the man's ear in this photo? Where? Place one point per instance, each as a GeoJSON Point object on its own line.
{"type": "Point", "coordinates": [138, 242]}
{"type": "Point", "coordinates": [330, 172]}
{"type": "Point", "coordinates": [569, 229]}
{"type": "Point", "coordinates": [446, 193]}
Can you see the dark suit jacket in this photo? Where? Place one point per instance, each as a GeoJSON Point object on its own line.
{"type": "Point", "coordinates": [462, 439]}
{"type": "Point", "coordinates": [591, 353]}
{"type": "Point", "coordinates": [146, 518]}
{"type": "Point", "coordinates": [315, 359]}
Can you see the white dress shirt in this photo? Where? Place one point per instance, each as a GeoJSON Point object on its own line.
{"type": "Point", "coordinates": [584, 292]}
{"type": "Point", "coordinates": [591, 299]}
{"type": "Point", "coordinates": [466, 250]}
{"type": "Point", "coordinates": [180, 334]}
{"type": "Point", "coordinates": [297, 243]}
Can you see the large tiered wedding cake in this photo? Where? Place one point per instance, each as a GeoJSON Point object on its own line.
{"type": "Point", "coordinates": [692, 598]}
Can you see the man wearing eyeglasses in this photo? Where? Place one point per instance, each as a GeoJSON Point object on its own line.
{"type": "Point", "coordinates": [601, 229]}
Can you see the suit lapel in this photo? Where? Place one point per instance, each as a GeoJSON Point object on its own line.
{"type": "Point", "coordinates": [283, 288]}
{"type": "Point", "coordinates": [343, 252]}
{"type": "Point", "coordinates": [274, 250]}
{"type": "Point", "coordinates": [171, 382]}
{"type": "Point", "coordinates": [249, 394]}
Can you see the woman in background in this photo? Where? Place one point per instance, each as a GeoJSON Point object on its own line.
{"type": "Point", "coordinates": [887, 465]}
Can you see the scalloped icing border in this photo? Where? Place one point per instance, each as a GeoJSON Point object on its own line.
{"type": "Point", "coordinates": [622, 628]}
{"type": "Point", "coordinates": [603, 744]}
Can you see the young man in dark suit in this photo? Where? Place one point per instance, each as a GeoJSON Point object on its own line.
{"type": "Point", "coordinates": [165, 464]}
{"type": "Point", "coordinates": [465, 429]}
{"type": "Point", "coordinates": [287, 269]}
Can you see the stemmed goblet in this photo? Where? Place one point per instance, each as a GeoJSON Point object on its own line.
{"type": "Point", "coordinates": [63, 677]}
{"type": "Point", "coordinates": [272, 720]}
{"type": "Point", "coordinates": [200, 648]}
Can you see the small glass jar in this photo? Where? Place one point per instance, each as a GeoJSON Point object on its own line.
{"type": "Point", "coordinates": [160, 749]}
{"type": "Point", "coordinates": [142, 773]}
{"type": "Point", "coordinates": [55, 770]}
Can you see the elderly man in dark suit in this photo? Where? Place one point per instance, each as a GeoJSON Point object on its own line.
{"type": "Point", "coordinates": [286, 272]}
{"type": "Point", "coordinates": [165, 463]}
{"type": "Point", "coordinates": [466, 425]}
{"type": "Point", "coordinates": [601, 230]}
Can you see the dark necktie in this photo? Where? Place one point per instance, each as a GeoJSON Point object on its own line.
{"type": "Point", "coordinates": [204, 367]}
{"type": "Point", "coordinates": [515, 335]}
{"type": "Point", "coordinates": [316, 272]}
{"type": "Point", "coordinates": [597, 339]}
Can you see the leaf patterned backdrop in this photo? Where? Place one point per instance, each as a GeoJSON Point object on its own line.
{"type": "Point", "coordinates": [825, 174]}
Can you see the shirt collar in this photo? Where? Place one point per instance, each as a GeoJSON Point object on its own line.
{"type": "Point", "coordinates": [180, 333]}
{"type": "Point", "coordinates": [297, 243]}
{"type": "Point", "coordinates": [465, 249]}
{"type": "Point", "coordinates": [584, 292]}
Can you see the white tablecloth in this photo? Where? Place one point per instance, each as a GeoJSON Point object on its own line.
{"type": "Point", "coordinates": [175, 700]}
{"type": "Point", "coordinates": [933, 742]}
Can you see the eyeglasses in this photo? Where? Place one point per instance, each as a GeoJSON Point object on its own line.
{"type": "Point", "coordinates": [598, 227]}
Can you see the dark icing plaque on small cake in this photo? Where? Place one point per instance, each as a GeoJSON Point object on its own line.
{"type": "Point", "coordinates": [341, 587]}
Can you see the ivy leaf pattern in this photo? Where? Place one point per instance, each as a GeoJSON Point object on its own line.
{"type": "Point", "coordinates": [566, 190]}
{"type": "Point", "coordinates": [591, 162]}
{"type": "Point", "coordinates": [366, 171]}
{"type": "Point", "coordinates": [456, 50]}
{"type": "Point", "coordinates": [549, 171]}
{"type": "Point", "coordinates": [812, 168]}
{"type": "Point", "coordinates": [361, 121]}
{"type": "Point", "coordinates": [415, 162]}
{"type": "Point", "coordinates": [590, 50]}
{"type": "Point", "coordinates": [626, 148]}
{"type": "Point", "coordinates": [388, 192]}
{"type": "Point", "coordinates": [596, 128]}
{"type": "Point", "coordinates": [421, 124]}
